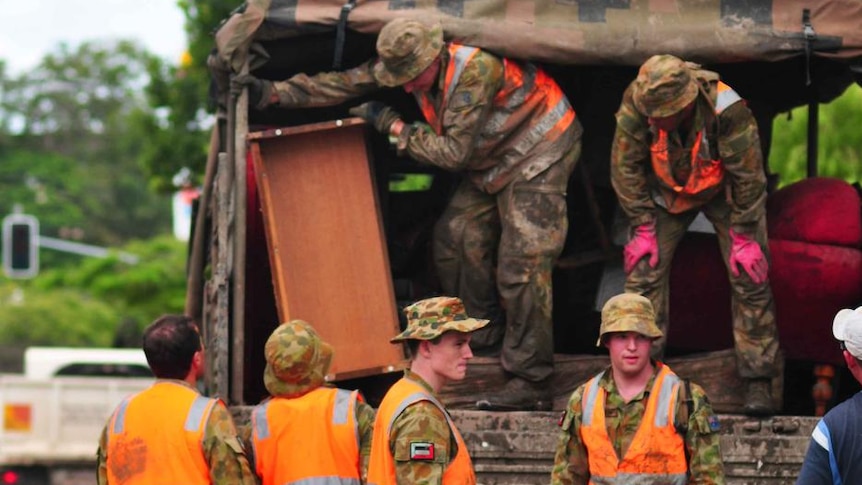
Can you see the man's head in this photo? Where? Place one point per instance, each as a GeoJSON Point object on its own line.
{"type": "Point", "coordinates": [628, 330]}
{"type": "Point", "coordinates": [406, 48]}
{"type": "Point", "coordinates": [438, 333]}
{"type": "Point", "coordinates": [172, 345]}
{"type": "Point", "coordinates": [664, 87]}
{"type": "Point", "coordinates": [847, 329]}
{"type": "Point", "coordinates": [297, 360]}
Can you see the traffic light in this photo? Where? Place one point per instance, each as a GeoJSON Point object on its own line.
{"type": "Point", "coordinates": [20, 246]}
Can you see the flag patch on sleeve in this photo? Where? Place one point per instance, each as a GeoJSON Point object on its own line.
{"type": "Point", "coordinates": [421, 450]}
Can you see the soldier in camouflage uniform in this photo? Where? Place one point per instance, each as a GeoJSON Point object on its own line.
{"type": "Point", "coordinates": [510, 130]}
{"type": "Point", "coordinates": [685, 142]}
{"type": "Point", "coordinates": [136, 448]}
{"type": "Point", "coordinates": [415, 440]}
{"type": "Point", "coordinates": [616, 427]}
{"type": "Point", "coordinates": [334, 426]}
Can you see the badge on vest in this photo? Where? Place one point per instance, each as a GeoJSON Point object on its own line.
{"type": "Point", "coordinates": [421, 450]}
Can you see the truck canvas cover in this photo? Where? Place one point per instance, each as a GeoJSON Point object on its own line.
{"type": "Point", "coordinates": [594, 32]}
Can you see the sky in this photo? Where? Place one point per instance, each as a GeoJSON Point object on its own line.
{"type": "Point", "coordinates": [29, 29]}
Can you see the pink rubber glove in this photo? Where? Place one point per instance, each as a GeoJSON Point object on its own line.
{"type": "Point", "coordinates": [747, 253]}
{"type": "Point", "coordinates": [642, 243]}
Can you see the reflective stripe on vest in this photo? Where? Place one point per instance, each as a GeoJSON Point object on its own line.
{"type": "Point", "coordinates": [706, 173]}
{"type": "Point", "coordinates": [310, 440]}
{"type": "Point", "coordinates": [656, 453]}
{"type": "Point", "coordinates": [381, 467]}
{"type": "Point", "coordinates": [167, 450]}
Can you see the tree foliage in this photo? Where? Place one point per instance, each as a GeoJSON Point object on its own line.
{"type": "Point", "coordinates": [838, 149]}
{"type": "Point", "coordinates": [93, 302]}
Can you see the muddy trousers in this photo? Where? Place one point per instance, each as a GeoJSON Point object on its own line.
{"type": "Point", "coordinates": [754, 331]}
{"type": "Point", "coordinates": [496, 252]}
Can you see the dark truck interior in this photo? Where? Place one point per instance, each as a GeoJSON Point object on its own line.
{"type": "Point", "coordinates": [700, 312]}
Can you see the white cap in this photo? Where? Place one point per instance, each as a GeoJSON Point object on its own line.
{"type": "Point", "coordinates": [847, 327]}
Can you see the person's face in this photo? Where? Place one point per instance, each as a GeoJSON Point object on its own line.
{"type": "Point", "coordinates": [448, 358]}
{"type": "Point", "coordinates": [629, 352]}
{"type": "Point", "coordinates": [424, 81]}
{"type": "Point", "coordinates": [672, 122]}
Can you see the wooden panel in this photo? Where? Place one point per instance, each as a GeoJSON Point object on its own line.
{"type": "Point", "coordinates": [326, 243]}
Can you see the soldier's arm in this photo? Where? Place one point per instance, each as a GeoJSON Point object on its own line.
{"type": "Point", "coordinates": [102, 456]}
{"type": "Point", "coordinates": [739, 148]}
{"type": "Point", "coordinates": [325, 89]}
{"type": "Point", "coordinates": [570, 459]}
{"type": "Point", "coordinates": [463, 118]}
{"type": "Point", "coordinates": [421, 445]}
{"type": "Point", "coordinates": [630, 159]}
{"type": "Point", "coordinates": [365, 421]}
{"type": "Point", "coordinates": [702, 441]}
{"type": "Point", "coordinates": [223, 451]}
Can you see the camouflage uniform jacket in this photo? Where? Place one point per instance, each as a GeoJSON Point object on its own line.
{"type": "Point", "coordinates": [421, 422]}
{"type": "Point", "coordinates": [470, 141]}
{"type": "Point", "coordinates": [733, 139]}
{"type": "Point", "coordinates": [364, 421]}
{"type": "Point", "coordinates": [571, 466]}
{"type": "Point", "coordinates": [221, 446]}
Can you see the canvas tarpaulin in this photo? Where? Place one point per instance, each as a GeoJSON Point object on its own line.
{"type": "Point", "coordinates": [585, 32]}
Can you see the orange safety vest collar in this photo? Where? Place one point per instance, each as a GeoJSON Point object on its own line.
{"type": "Point", "coordinates": [657, 451]}
{"type": "Point", "coordinates": [142, 451]}
{"type": "Point", "coordinates": [381, 467]}
{"type": "Point", "coordinates": [312, 439]}
{"type": "Point", "coordinates": [706, 173]}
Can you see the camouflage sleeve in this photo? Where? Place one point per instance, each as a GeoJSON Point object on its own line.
{"type": "Point", "coordinates": [365, 421]}
{"type": "Point", "coordinates": [739, 148]}
{"type": "Point", "coordinates": [325, 89]}
{"type": "Point", "coordinates": [223, 451]}
{"type": "Point", "coordinates": [629, 161]}
{"type": "Point", "coordinates": [466, 109]}
{"type": "Point", "coordinates": [421, 427]}
{"type": "Point", "coordinates": [570, 459]}
{"type": "Point", "coordinates": [702, 441]}
{"type": "Point", "coordinates": [102, 457]}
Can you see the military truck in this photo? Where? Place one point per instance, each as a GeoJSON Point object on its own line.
{"type": "Point", "coordinates": [273, 176]}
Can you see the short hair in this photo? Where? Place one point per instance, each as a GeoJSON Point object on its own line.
{"type": "Point", "coordinates": [413, 344]}
{"type": "Point", "coordinates": [170, 343]}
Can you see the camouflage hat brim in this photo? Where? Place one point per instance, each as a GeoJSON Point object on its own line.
{"type": "Point", "coordinates": [652, 107]}
{"type": "Point", "coordinates": [631, 323]}
{"type": "Point", "coordinates": [308, 383]}
{"type": "Point", "coordinates": [430, 332]}
{"type": "Point", "coordinates": [399, 74]}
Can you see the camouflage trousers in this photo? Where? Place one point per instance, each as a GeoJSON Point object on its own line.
{"type": "Point", "coordinates": [496, 252]}
{"type": "Point", "coordinates": [754, 331]}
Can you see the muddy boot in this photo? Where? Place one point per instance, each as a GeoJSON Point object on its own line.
{"type": "Point", "coordinates": [519, 395]}
{"type": "Point", "coordinates": [758, 398]}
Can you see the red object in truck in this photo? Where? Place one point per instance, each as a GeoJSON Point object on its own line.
{"type": "Point", "coordinates": [815, 231]}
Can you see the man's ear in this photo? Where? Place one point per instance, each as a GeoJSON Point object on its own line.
{"type": "Point", "coordinates": [851, 361]}
{"type": "Point", "coordinates": [424, 348]}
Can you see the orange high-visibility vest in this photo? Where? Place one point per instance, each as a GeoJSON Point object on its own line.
{"type": "Point", "coordinates": [707, 172]}
{"type": "Point", "coordinates": [310, 439]}
{"type": "Point", "coordinates": [527, 94]}
{"type": "Point", "coordinates": [156, 436]}
{"type": "Point", "coordinates": [657, 452]}
{"type": "Point", "coordinates": [381, 466]}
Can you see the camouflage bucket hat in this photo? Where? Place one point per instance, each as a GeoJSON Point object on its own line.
{"type": "Point", "coordinates": [428, 319]}
{"type": "Point", "coordinates": [664, 86]}
{"type": "Point", "coordinates": [406, 48]}
{"type": "Point", "coordinates": [297, 360]}
{"type": "Point", "coordinates": [628, 312]}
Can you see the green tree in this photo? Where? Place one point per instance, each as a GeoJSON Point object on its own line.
{"type": "Point", "coordinates": [839, 149]}
{"type": "Point", "coordinates": [79, 105]}
{"type": "Point", "coordinates": [91, 302]}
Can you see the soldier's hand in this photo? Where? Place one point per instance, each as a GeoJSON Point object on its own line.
{"type": "Point", "coordinates": [259, 91]}
{"type": "Point", "coordinates": [377, 114]}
